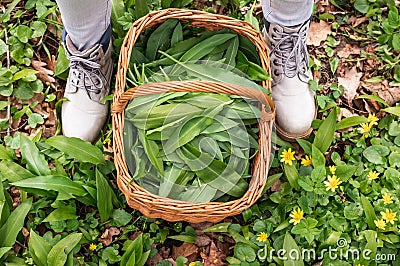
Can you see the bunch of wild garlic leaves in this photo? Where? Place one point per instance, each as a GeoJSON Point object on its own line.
{"type": "Point", "coordinates": [192, 146]}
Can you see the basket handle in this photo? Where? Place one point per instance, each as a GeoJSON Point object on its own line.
{"type": "Point", "coordinates": [195, 86]}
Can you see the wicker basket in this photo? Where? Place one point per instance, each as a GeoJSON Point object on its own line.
{"type": "Point", "coordinates": [154, 206]}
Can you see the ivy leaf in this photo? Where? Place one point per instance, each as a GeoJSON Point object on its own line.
{"type": "Point", "coordinates": [361, 6]}
{"type": "Point", "coordinates": [35, 119]}
{"type": "Point", "coordinates": [244, 252]}
{"type": "Point", "coordinates": [376, 154]}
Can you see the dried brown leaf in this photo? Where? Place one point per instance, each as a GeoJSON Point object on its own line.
{"type": "Point", "coordinates": [214, 258]}
{"type": "Point", "coordinates": [186, 250]}
{"type": "Point", "coordinates": [350, 82]}
{"type": "Point", "coordinates": [44, 74]}
{"type": "Point", "coordinates": [318, 32]}
{"type": "Point", "coordinates": [202, 241]}
{"type": "Point", "coordinates": [107, 237]}
{"type": "Point", "coordinates": [347, 50]}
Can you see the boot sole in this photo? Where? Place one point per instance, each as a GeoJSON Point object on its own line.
{"type": "Point", "coordinates": [291, 137]}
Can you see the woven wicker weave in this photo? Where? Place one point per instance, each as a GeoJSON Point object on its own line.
{"type": "Point", "coordinates": [154, 206]}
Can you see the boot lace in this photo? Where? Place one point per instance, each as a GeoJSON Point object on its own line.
{"type": "Point", "coordinates": [291, 53]}
{"type": "Point", "coordinates": [86, 74]}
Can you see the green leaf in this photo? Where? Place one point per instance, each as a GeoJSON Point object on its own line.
{"type": "Point", "coordinates": [334, 63]}
{"type": "Point", "coordinates": [351, 121]}
{"type": "Point", "coordinates": [393, 110]}
{"type": "Point", "coordinates": [231, 52]}
{"type": "Point", "coordinates": [244, 252]}
{"type": "Point", "coordinates": [361, 6]}
{"type": "Point", "coordinates": [120, 218]}
{"type": "Point", "coordinates": [218, 228]}
{"type": "Point", "coordinates": [205, 47]}
{"type": "Point", "coordinates": [134, 252]}
{"type": "Point", "coordinates": [396, 42]}
{"type": "Point", "coordinates": [325, 134]}
{"type": "Point", "coordinates": [6, 154]}
{"type": "Point", "coordinates": [78, 149]}
{"type": "Point", "coordinates": [307, 146]}
{"type": "Point", "coordinates": [35, 162]}
{"type": "Point", "coordinates": [117, 11]}
{"type": "Point", "coordinates": [184, 238]}
{"type": "Point", "coordinates": [344, 172]}
{"type": "Point", "coordinates": [181, 261]}
{"type": "Point", "coordinates": [4, 250]}
{"type": "Point", "coordinates": [35, 119]}
{"type": "Point", "coordinates": [62, 64]}
{"type": "Point", "coordinates": [58, 254]}
{"type": "Point", "coordinates": [376, 154]}
{"type": "Point", "coordinates": [39, 28]}
{"type": "Point", "coordinates": [214, 172]}
{"type": "Point", "coordinates": [374, 98]}
{"type": "Point", "coordinates": [369, 212]}
{"type": "Point", "coordinates": [307, 229]}
{"type": "Point", "coordinates": [318, 174]}
{"type": "Point", "coordinates": [62, 213]}
{"type": "Point", "coordinates": [289, 244]}
{"type": "Point", "coordinates": [3, 47]}
{"type": "Point", "coordinates": [141, 8]}
{"type": "Point", "coordinates": [52, 182]}
{"type": "Point", "coordinates": [318, 159]}
{"type": "Point", "coordinates": [104, 196]}
{"type": "Point", "coordinates": [160, 37]}
{"type": "Point", "coordinates": [38, 248]}
{"type": "Point", "coordinates": [164, 114]}
{"type": "Point", "coordinates": [306, 183]}
{"type": "Point", "coordinates": [14, 224]}
{"type": "Point", "coordinates": [152, 151]}
{"type": "Point", "coordinates": [23, 33]}
{"type": "Point", "coordinates": [24, 73]}
{"type": "Point", "coordinates": [13, 172]}
{"type": "Point", "coordinates": [271, 181]}
{"type": "Point", "coordinates": [372, 245]}
{"type": "Point", "coordinates": [292, 175]}
{"type": "Point", "coordinates": [188, 131]}
{"type": "Point", "coordinates": [352, 211]}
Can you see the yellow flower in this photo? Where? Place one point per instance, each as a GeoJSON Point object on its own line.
{"type": "Point", "coordinates": [262, 237]}
{"type": "Point", "coordinates": [92, 247]}
{"type": "Point", "coordinates": [287, 156]}
{"type": "Point", "coordinates": [381, 224]}
{"type": "Point", "coordinates": [192, 264]}
{"type": "Point", "coordinates": [332, 169]}
{"type": "Point", "coordinates": [389, 217]}
{"type": "Point", "coordinates": [332, 183]}
{"type": "Point", "coordinates": [107, 141]}
{"type": "Point", "coordinates": [387, 199]}
{"type": "Point", "coordinates": [373, 119]}
{"type": "Point", "coordinates": [372, 175]}
{"type": "Point", "coordinates": [307, 161]}
{"type": "Point", "coordinates": [365, 128]}
{"type": "Point", "coordinates": [297, 215]}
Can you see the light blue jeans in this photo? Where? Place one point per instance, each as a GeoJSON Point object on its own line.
{"type": "Point", "coordinates": [287, 12]}
{"type": "Point", "coordinates": [86, 20]}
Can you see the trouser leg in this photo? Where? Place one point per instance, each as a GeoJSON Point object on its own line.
{"type": "Point", "coordinates": [287, 12]}
{"type": "Point", "coordinates": [85, 20]}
